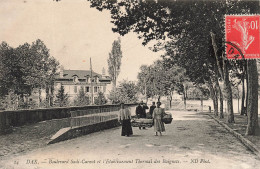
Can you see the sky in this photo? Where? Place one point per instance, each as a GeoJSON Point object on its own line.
{"type": "Point", "coordinates": [73, 32]}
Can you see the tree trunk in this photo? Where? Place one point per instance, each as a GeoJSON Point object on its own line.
{"type": "Point", "coordinates": [184, 100]}
{"type": "Point", "coordinates": [215, 90]}
{"type": "Point", "coordinates": [47, 95]}
{"type": "Point", "coordinates": [201, 103]}
{"type": "Point", "coordinates": [219, 70]}
{"type": "Point", "coordinates": [252, 107]}
{"type": "Point", "coordinates": [52, 94]}
{"type": "Point", "coordinates": [221, 114]}
{"type": "Point", "coordinates": [243, 95]}
{"type": "Point", "coordinates": [26, 100]}
{"type": "Point", "coordinates": [185, 96]}
{"type": "Point", "coordinates": [238, 99]}
{"type": "Point", "coordinates": [214, 98]}
{"type": "Point", "coordinates": [40, 96]}
{"type": "Point", "coordinates": [228, 91]}
{"type": "Point", "coordinates": [215, 48]}
{"type": "Point", "coordinates": [246, 90]}
{"type": "Point", "coordinates": [171, 100]}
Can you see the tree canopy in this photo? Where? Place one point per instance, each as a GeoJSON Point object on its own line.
{"type": "Point", "coordinates": [192, 35]}
{"type": "Point", "coordinates": [25, 68]}
{"type": "Point", "coordinates": [114, 61]}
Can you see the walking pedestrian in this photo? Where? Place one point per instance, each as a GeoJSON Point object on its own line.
{"type": "Point", "coordinates": [152, 107]}
{"type": "Point", "coordinates": [125, 118]}
{"type": "Point", "coordinates": [158, 114]}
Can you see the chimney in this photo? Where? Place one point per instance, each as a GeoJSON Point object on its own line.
{"type": "Point", "coordinates": [61, 71]}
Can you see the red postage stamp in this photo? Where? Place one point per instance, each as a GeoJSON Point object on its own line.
{"type": "Point", "coordinates": [242, 36]}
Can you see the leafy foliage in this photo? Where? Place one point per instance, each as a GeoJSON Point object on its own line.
{"type": "Point", "coordinates": [126, 92]}
{"type": "Point", "coordinates": [25, 68]}
{"type": "Point", "coordinates": [191, 33]}
{"type": "Point", "coordinates": [82, 98]}
{"type": "Point", "coordinates": [114, 96]}
{"type": "Point", "coordinates": [100, 100]}
{"type": "Point", "coordinates": [161, 80]}
{"type": "Point", "coordinates": [114, 61]}
{"type": "Point", "coordinates": [62, 98]}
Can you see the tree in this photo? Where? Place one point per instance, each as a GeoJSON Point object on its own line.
{"type": "Point", "coordinates": [146, 81]}
{"type": "Point", "coordinates": [126, 92]}
{"type": "Point", "coordinates": [100, 100]}
{"type": "Point", "coordinates": [82, 98]}
{"type": "Point", "coordinates": [160, 79]}
{"type": "Point", "coordinates": [25, 68]}
{"type": "Point", "coordinates": [252, 106]}
{"type": "Point", "coordinates": [62, 98]}
{"type": "Point", "coordinates": [10, 101]}
{"type": "Point", "coordinates": [175, 79]}
{"type": "Point", "coordinates": [6, 54]}
{"type": "Point", "coordinates": [114, 96]}
{"type": "Point", "coordinates": [114, 61]}
{"type": "Point", "coordinates": [46, 66]}
{"type": "Point", "coordinates": [167, 20]}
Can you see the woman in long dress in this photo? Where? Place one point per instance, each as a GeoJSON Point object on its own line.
{"type": "Point", "coordinates": [158, 114]}
{"type": "Point", "coordinates": [124, 117]}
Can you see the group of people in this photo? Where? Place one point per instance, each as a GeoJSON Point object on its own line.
{"type": "Point", "coordinates": [156, 112]}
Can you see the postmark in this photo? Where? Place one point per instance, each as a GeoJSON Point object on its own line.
{"type": "Point", "coordinates": [242, 33]}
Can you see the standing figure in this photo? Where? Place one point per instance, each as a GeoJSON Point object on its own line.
{"type": "Point", "coordinates": [140, 111]}
{"type": "Point", "coordinates": [152, 107]}
{"type": "Point", "coordinates": [125, 118]}
{"type": "Point", "coordinates": [158, 114]}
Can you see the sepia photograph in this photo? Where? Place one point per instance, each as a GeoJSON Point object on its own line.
{"type": "Point", "coordinates": [107, 84]}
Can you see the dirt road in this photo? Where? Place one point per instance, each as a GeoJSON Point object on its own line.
{"type": "Point", "coordinates": [193, 140]}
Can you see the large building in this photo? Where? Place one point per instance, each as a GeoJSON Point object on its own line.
{"type": "Point", "coordinates": [74, 80]}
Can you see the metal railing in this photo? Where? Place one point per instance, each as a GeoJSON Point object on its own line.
{"type": "Point", "coordinates": [92, 116]}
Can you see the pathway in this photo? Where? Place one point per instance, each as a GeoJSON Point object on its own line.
{"type": "Point", "coordinates": [193, 140]}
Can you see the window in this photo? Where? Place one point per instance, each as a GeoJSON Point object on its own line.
{"type": "Point", "coordinates": [104, 89]}
{"type": "Point", "coordinates": [87, 89]}
{"type": "Point", "coordinates": [82, 88]}
{"type": "Point", "coordinates": [95, 89]}
{"type": "Point", "coordinates": [75, 79]}
{"type": "Point", "coordinates": [87, 79]}
{"type": "Point", "coordinates": [75, 89]}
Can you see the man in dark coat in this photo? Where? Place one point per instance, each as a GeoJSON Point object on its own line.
{"type": "Point", "coordinates": [140, 111]}
{"type": "Point", "coordinates": [152, 107]}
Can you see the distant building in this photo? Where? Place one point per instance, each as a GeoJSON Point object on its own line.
{"type": "Point", "coordinates": [73, 80]}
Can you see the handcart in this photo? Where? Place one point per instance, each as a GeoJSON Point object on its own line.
{"type": "Point", "coordinates": [142, 122]}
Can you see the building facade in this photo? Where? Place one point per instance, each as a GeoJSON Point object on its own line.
{"type": "Point", "coordinates": [74, 80]}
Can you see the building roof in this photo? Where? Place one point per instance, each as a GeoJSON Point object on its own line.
{"type": "Point", "coordinates": [82, 74]}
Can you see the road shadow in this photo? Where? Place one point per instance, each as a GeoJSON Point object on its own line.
{"type": "Point", "coordinates": [134, 135]}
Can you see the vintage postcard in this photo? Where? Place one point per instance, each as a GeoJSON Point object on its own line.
{"type": "Point", "coordinates": [91, 84]}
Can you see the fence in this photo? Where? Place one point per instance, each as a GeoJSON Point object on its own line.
{"type": "Point", "coordinates": [91, 114]}
{"type": "Point", "coordinates": [94, 116]}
